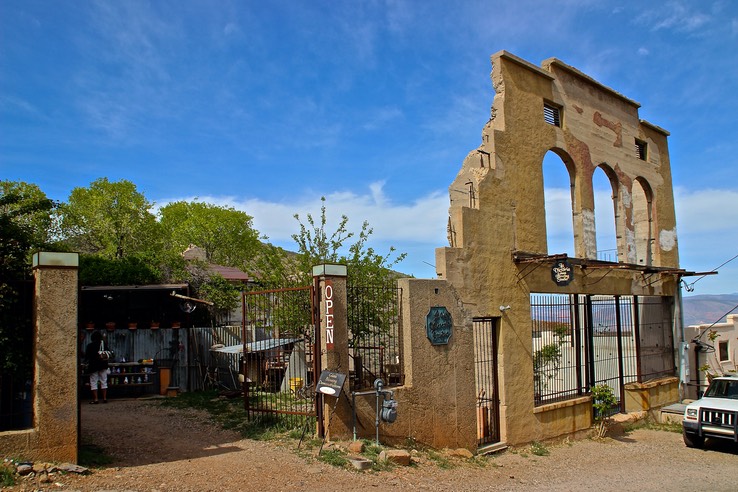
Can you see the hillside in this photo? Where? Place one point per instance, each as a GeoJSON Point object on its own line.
{"type": "Point", "coordinates": [707, 309]}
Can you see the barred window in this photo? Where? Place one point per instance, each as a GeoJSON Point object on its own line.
{"type": "Point", "coordinates": [641, 147]}
{"type": "Point", "coordinates": [551, 114]}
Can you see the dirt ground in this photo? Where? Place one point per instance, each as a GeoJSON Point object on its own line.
{"type": "Point", "coordinates": [159, 448]}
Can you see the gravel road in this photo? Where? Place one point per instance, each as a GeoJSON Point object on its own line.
{"type": "Point", "coordinates": [159, 448]}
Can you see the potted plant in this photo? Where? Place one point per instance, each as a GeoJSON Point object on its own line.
{"type": "Point", "coordinates": [132, 325]}
{"type": "Point", "coordinates": [175, 324]}
{"type": "Point", "coordinates": [110, 325]}
{"type": "Point", "coordinates": [154, 325]}
{"type": "Point", "coordinates": [90, 326]}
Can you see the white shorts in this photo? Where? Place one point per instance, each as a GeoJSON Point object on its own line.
{"type": "Point", "coordinates": [101, 376]}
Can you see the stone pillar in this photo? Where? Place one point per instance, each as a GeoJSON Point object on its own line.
{"type": "Point", "coordinates": [334, 353]}
{"type": "Point", "coordinates": [56, 407]}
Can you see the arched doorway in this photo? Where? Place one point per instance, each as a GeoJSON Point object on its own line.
{"type": "Point", "coordinates": [557, 190]}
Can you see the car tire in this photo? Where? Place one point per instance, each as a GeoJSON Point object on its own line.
{"type": "Point", "coordinates": [692, 440]}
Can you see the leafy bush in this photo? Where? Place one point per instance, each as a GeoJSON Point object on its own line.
{"type": "Point", "coordinates": [129, 270]}
{"type": "Point", "coordinates": [603, 401]}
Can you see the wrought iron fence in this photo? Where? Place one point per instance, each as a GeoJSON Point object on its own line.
{"type": "Point", "coordinates": [557, 348]}
{"type": "Point", "coordinates": [583, 340]}
{"type": "Point", "coordinates": [374, 335]}
{"type": "Point", "coordinates": [613, 346]}
{"type": "Point", "coordinates": [279, 361]}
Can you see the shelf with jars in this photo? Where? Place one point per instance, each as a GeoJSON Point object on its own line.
{"type": "Point", "coordinates": [132, 374]}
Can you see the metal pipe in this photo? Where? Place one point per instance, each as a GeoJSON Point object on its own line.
{"type": "Point", "coordinates": [376, 421]}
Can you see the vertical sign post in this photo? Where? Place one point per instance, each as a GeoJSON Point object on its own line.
{"type": "Point", "coordinates": [328, 304]}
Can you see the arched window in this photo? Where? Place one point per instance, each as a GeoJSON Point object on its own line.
{"type": "Point", "coordinates": [605, 189]}
{"type": "Point", "coordinates": [643, 221]}
{"type": "Point", "coordinates": [557, 189]}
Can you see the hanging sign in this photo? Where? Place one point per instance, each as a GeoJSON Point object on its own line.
{"type": "Point", "coordinates": [438, 325]}
{"type": "Point", "coordinates": [562, 273]}
{"type": "Point", "coordinates": [328, 310]}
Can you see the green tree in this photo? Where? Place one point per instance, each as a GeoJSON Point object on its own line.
{"type": "Point", "coordinates": [130, 270]}
{"type": "Point", "coordinates": [315, 245]}
{"type": "Point", "coordinates": [225, 234]}
{"type": "Point", "coordinates": [109, 219]}
{"type": "Point", "coordinates": [24, 211]}
{"type": "Point", "coordinates": [275, 267]}
{"type": "Point", "coordinates": [30, 209]}
{"type": "Point", "coordinates": [224, 295]}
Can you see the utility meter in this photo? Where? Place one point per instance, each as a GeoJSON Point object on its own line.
{"type": "Point", "coordinates": [389, 410]}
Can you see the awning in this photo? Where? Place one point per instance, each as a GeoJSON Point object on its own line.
{"type": "Point", "coordinates": [260, 346]}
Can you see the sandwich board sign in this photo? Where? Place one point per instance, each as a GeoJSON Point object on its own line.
{"type": "Point", "coordinates": [330, 383]}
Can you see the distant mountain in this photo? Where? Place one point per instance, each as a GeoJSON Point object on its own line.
{"type": "Point", "coordinates": [707, 309]}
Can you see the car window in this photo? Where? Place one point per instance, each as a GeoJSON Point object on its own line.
{"type": "Point", "coordinates": [721, 388]}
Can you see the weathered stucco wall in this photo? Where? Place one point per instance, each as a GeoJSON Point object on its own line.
{"type": "Point", "coordinates": [652, 395]}
{"type": "Point", "coordinates": [54, 434]}
{"type": "Point", "coordinates": [437, 404]}
{"type": "Point", "coordinates": [497, 211]}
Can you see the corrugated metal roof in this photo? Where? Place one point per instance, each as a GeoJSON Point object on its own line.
{"type": "Point", "coordinates": [259, 346]}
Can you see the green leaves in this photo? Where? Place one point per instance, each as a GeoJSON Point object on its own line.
{"type": "Point", "coordinates": [224, 233]}
{"type": "Point", "coordinates": [24, 224]}
{"type": "Point", "coordinates": [316, 245]}
{"type": "Point", "coordinates": [110, 219]}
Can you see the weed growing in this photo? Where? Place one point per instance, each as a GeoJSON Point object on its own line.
{"type": "Point", "coordinates": [538, 449]}
{"type": "Point", "coordinates": [334, 457]}
{"type": "Point", "coordinates": [440, 460]}
{"type": "Point", "coordinates": [7, 475]}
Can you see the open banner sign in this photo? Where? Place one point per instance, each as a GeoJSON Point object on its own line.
{"type": "Point", "coordinates": [328, 305]}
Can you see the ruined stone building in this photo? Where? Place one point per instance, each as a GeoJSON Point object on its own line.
{"type": "Point", "coordinates": [562, 324]}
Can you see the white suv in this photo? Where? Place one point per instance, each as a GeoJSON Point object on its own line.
{"type": "Point", "coordinates": [713, 415]}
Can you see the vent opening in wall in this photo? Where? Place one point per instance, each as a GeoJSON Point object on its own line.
{"type": "Point", "coordinates": [552, 114]}
{"type": "Point", "coordinates": [640, 147]}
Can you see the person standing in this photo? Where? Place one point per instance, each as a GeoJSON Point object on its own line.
{"type": "Point", "coordinates": [97, 366]}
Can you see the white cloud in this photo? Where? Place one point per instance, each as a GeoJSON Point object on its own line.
{"type": "Point", "coordinates": [674, 15]}
{"type": "Point", "coordinates": [706, 211]}
{"type": "Point", "coordinates": [422, 221]}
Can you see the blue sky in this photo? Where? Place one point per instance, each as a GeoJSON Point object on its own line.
{"type": "Point", "coordinates": [267, 106]}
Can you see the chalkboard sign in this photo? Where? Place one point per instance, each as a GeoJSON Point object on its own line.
{"type": "Point", "coordinates": [330, 383]}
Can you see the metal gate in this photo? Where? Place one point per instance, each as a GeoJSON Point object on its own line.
{"type": "Point", "coordinates": [611, 343]}
{"type": "Point", "coordinates": [485, 376]}
{"type": "Point", "coordinates": [280, 362]}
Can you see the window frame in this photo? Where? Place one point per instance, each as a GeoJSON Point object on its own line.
{"type": "Point", "coordinates": [723, 349]}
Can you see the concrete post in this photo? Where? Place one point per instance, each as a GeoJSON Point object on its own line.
{"type": "Point", "coordinates": [334, 353]}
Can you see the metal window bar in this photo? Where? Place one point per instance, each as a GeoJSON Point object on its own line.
{"type": "Point", "coordinates": [551, 115]}
{"type": "Point", "coordinates": [375, 346]}
{"type": "Point", "coordinates": [556, 373]}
